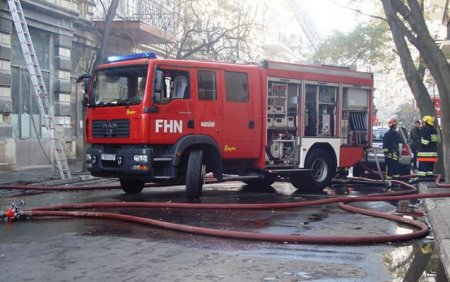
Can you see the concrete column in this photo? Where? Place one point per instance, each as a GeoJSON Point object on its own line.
{"type": "Point", "coordinates": [63, 89]}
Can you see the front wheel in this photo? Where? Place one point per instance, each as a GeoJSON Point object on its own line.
{"type": "Point", "coordinates": [132, 186]}
{"type": "Point", "coordinates": [195, 175]}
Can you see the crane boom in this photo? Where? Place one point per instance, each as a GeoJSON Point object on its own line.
{"type": "Point", "coordinates": [305, 22]}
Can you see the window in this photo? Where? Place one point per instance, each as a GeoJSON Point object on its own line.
{"type": "Point", "coordinates": [236, 84]}
{"type": "Point", "coordinates": [207, 86]}
{"type": "Point", "coordinates": [320, 110]}
{"type": "Point", "coordinates": [311, 110]}
{"type": "Point", "coordinates": [119, 86]}
{"type": "Point", "coordinates": [378, 134]}
{"type": "Point", "coordinates": [41, 43]}
{"type": "Point", "coordinates": [26, 118]}
{"type": "Point", "coordinates": [327, 110]}
{"type": "Point", "coordinates": [175, 85]}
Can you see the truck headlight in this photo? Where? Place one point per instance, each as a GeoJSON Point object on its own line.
{"type": "Point", "coordinates": [140, 158]}
{"type": "Point", "coordinates": [90, 159]}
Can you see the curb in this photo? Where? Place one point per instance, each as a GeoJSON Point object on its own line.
{"type": "Point", "coordinates": [438, 212]}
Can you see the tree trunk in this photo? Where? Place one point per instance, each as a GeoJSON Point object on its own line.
{"type": "Point", "coordinates": [412, 74]}
{"type": "Point", "coordinates": [106, 30]}
{"type": "Point", "coordinates": [417, 33]}
{"type": "Point", "coordinates": [99, 59]}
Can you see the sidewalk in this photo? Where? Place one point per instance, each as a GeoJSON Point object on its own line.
{"type": "Point", "coordinates": [438, 213]}
{"type": "Point", "coordinates": [39, 174]}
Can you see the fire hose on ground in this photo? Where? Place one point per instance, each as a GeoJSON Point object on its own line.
{"type": "Point", "coordinates": [419, 229]}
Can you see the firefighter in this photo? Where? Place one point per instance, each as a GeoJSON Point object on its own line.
{"type": "Point", "coordinates": [415, 136]}
{"type": "Point", "coordinates": [427, 154]}
{"type": "Point", "coordinates": [391, 142]}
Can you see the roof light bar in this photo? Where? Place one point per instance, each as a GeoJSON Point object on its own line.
{"type": "Point", "coordinates": [145, 55]}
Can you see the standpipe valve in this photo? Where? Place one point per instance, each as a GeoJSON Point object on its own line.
{"type": "Point", "coordinates": [14, 212]}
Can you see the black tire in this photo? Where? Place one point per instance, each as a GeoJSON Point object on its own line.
{"type": "Point", "coordinates": [195, 175]}
{"type": "Point", "coordinates": [298, 180]}
{"type": "Point", "coordinates": [132, 186]}
{"type": "Point", "coordinates": [257, 182]}
{"type": "Point", "coordinates": [323, 171]}
{"type": "Point", "coordinates": [358, 170]}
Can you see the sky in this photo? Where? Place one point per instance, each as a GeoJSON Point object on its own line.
{"type": "Point", "coordinates": [330, 15]}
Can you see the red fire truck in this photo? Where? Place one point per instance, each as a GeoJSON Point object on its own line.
{"type": "Point", "coordinates": [173, 121]}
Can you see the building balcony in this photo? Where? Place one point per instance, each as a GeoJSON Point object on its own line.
{"type": "Point", "coordinates": [138, 32]}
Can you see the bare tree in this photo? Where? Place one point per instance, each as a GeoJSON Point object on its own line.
{"type": "Point", "coordinates": [88, 58]}
{"type": "Point", "coordinates": [407, 24]}
{"type": "Point", "coordinates": [219, 33]}
{"type": "Point", "coordinates": [191, 29]}
{"type": "Point", "coordinates": [106, 29]}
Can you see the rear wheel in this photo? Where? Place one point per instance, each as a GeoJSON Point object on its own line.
{"type": "Point", "coordinates": [322, 167]}
{"type": "Point", "coordinates": [195, 175]}
{"type": "Point", "coordinates": [322, 172]}
{"type": "Point", "coordinates": [132, 186]}
{"type": "Point", "coordinates": [298, 180]}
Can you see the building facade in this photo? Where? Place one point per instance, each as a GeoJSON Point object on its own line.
{"type": "Point", "coordinates": [65, 37]}
{"type": "Point", "coordinates": [52, 26]}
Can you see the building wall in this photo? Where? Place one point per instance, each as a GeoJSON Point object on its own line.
{"type": "Point", "coordinates": [53, 27]}
{"type": "Point", "coordinates": [7, 145]}
{"type": "Point", "coordinates": [66, 41]}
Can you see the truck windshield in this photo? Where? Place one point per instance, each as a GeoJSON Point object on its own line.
{"type": "Point", "coordinates": [118, 86]}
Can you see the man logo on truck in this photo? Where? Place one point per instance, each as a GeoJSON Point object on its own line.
{"type": "Point", "coordinates": [169, 126]}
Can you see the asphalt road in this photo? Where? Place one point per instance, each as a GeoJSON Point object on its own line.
{"type": "Point", "coordinates": [67, 249]}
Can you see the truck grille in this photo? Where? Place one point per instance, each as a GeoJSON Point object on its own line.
{"type": "Point", "coordinates": [116, 128]}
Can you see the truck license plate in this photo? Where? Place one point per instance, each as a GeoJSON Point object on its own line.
{"type": "Point", "coordinates": [108, 157]}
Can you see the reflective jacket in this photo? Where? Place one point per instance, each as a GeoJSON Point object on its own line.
{"type": "Point", "coordinates": [391, 142]}
{"type": "Point", "coordinates": [428, 144]}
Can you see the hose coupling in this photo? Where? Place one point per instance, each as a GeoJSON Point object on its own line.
{"type": "Point", "coordinates": [14, 212]}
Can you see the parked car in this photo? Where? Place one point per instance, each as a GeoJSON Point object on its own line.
{"type": "Point", "coordinates": [376, 152]}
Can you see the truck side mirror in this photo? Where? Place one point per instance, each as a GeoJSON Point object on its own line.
{"type": "Point", "coordinates": [86, 79]}
{"type": "Point", "coordinates": [157, 86]}
{"type": "Point", "coordinates": [85, 100]}
{"type": "Point", "coordinates": [158, 81]}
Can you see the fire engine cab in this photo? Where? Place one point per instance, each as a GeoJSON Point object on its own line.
{"type": "Point", "coordinates": [173, 121]}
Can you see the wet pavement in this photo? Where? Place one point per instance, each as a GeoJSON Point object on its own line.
{"type": "Point", "coordinates": [61, 249]}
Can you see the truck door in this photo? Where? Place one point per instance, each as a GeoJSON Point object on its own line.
{"type": "Point", "coordinates": [241, 115]}
{"type": "Point", "coordinates": [207, 111]}
{"type": "Point", "coordinates": [175, 107]}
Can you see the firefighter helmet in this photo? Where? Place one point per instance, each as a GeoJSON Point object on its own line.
{"type": "Point", "coordinates": [392, 122]}
{"type": "Point", "coordinates": [429, 120]}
